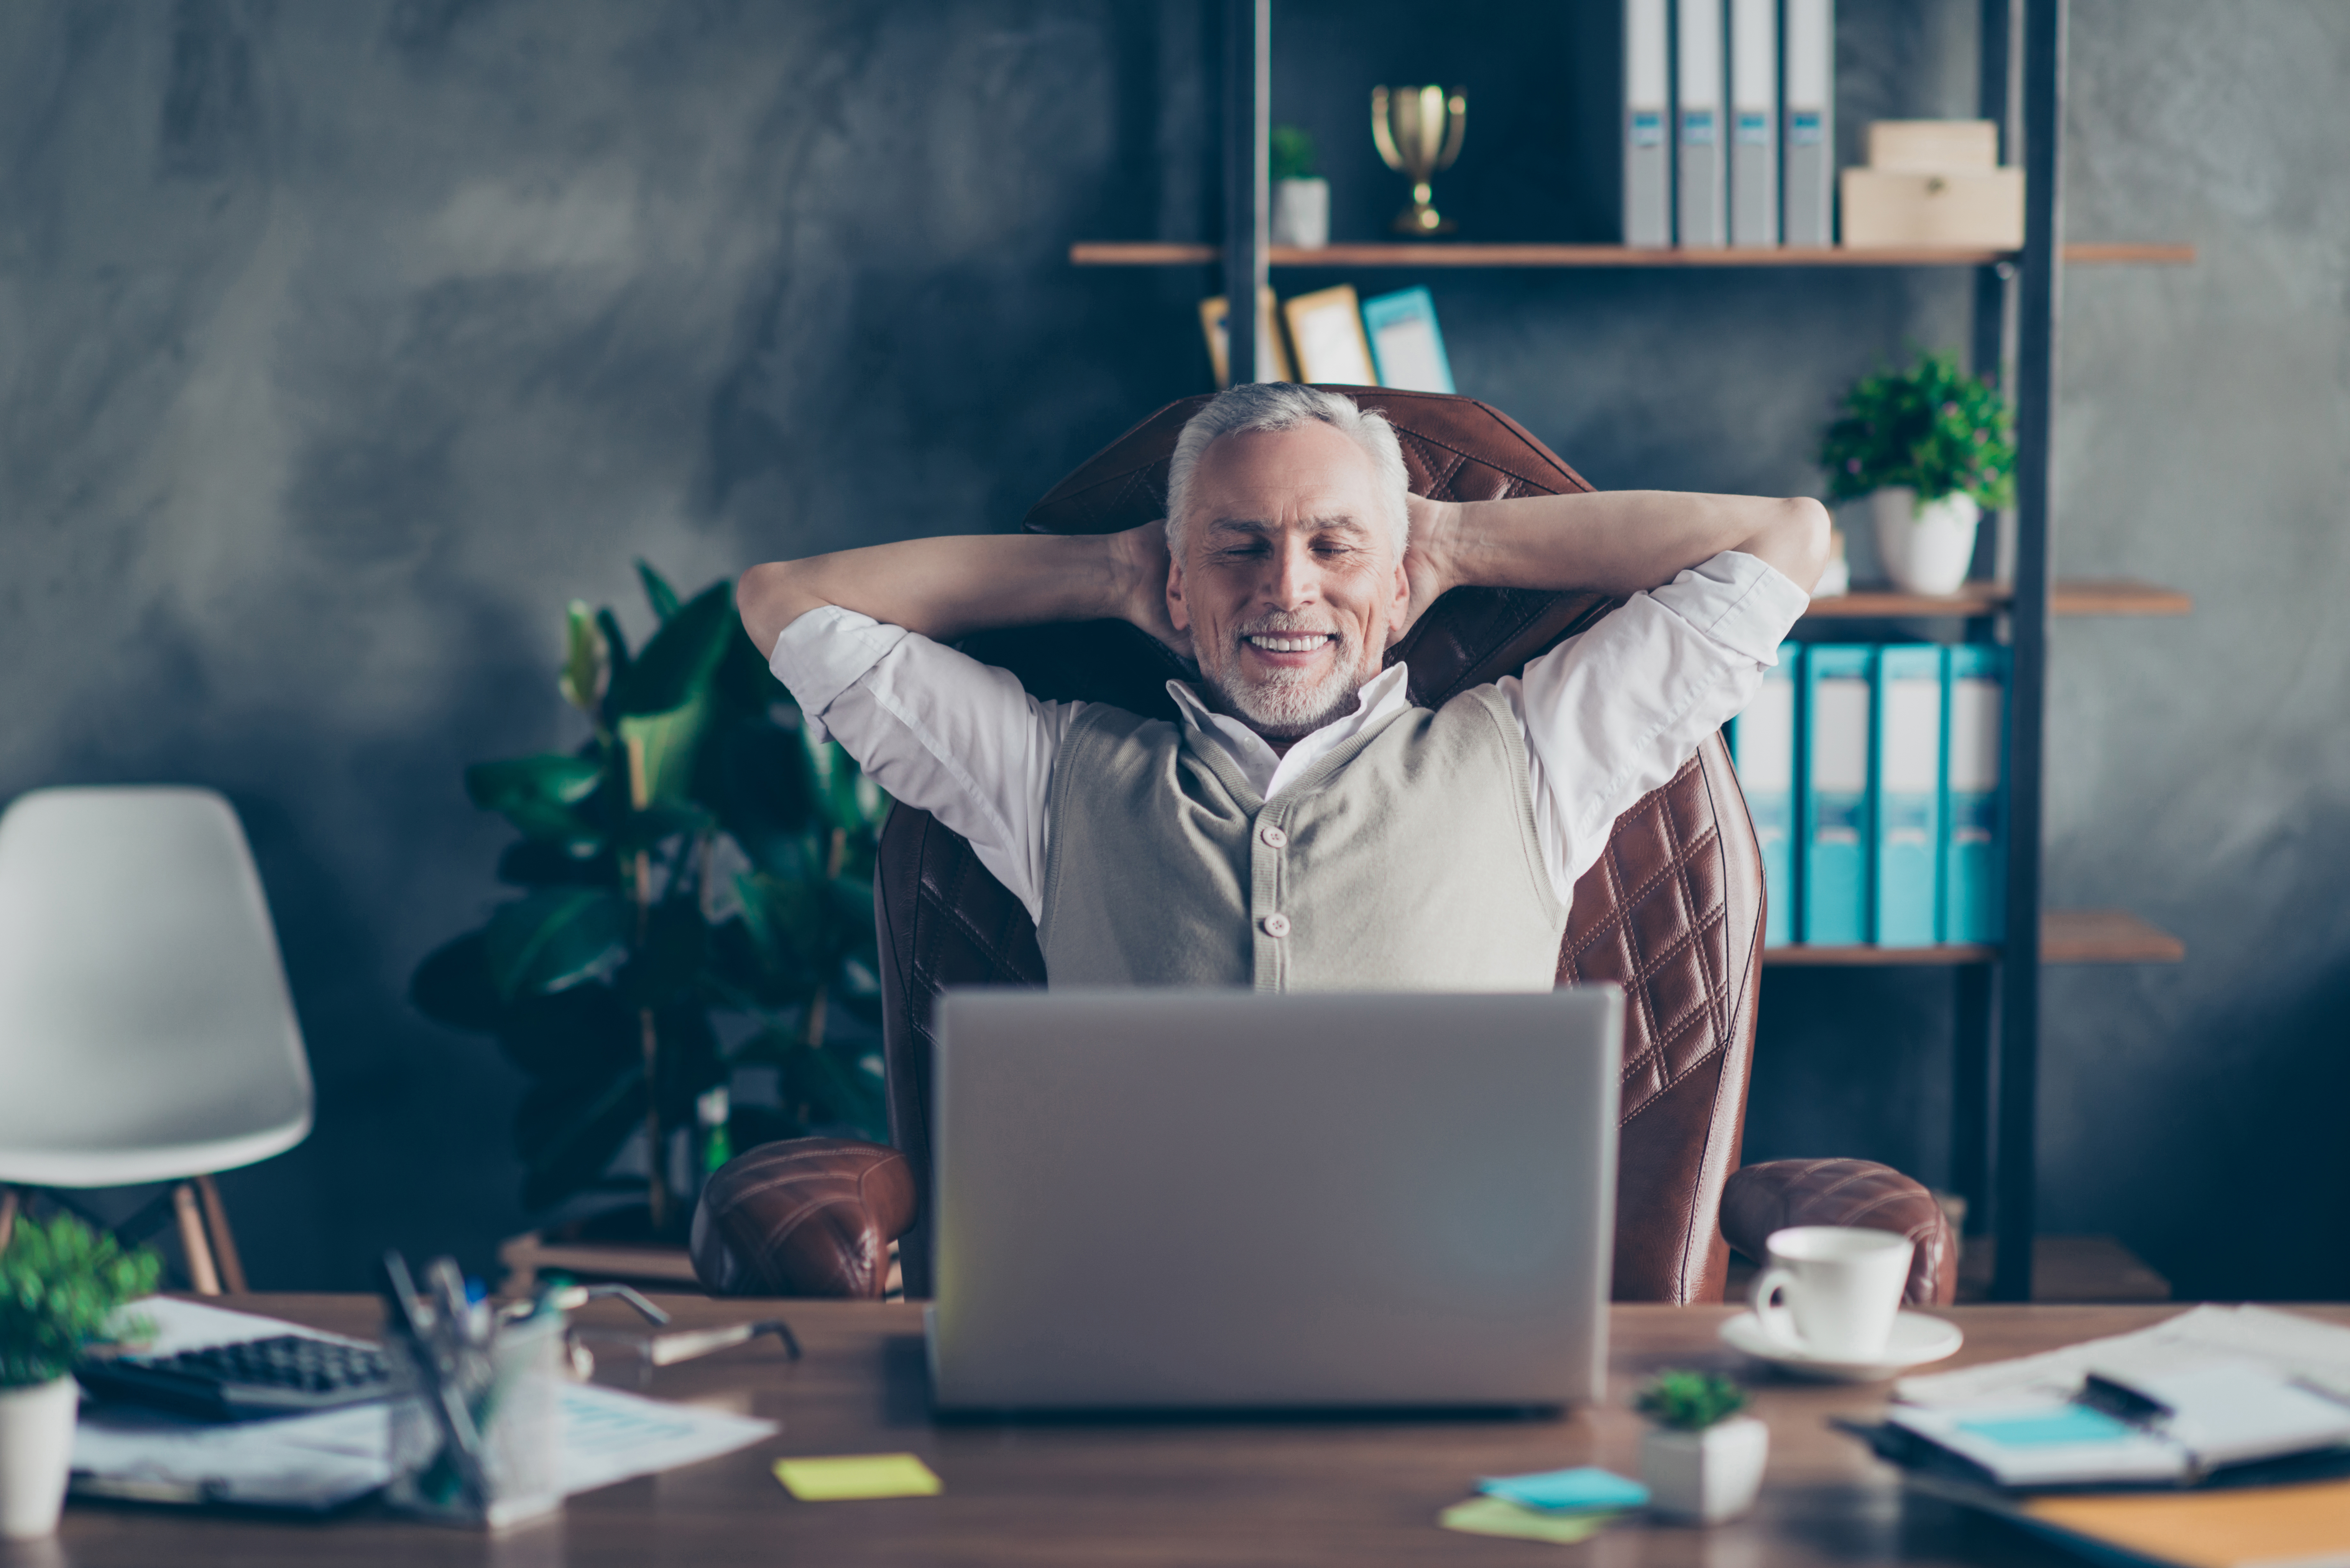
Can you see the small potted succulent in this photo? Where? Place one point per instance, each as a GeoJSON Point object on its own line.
{"type": "Point", "coordinates": [1930, 448]}
{"type": "Point", "coordinates": [1702, 1461]}
{"type": "Point", "coordinates": [1301, 199]}
{"type": "Point", "coordinates": [61, 1285]}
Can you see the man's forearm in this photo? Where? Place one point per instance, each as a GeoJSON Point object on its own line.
{"type": "Point", "coordinates": [1621, 541]}
{"type": "Point", "coordinates": [947, 587]}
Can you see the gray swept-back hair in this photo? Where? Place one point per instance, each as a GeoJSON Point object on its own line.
{"type": "Point", "coordinates": [1280, 405]}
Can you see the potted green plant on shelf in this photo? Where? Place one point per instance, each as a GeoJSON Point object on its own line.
{"type": "Point", "coordinates": [1701, 1461]}
{"type": "Point", "coordinates": [1929, 448]}
{"type": "Point", "coordinates": [61, 1285]}
{"type": "Point", "coordinates": [1301, 198]}
{"type": "Point", "coordinates": [694, 894]}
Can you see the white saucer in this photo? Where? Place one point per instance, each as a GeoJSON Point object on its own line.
{"type": "Point", "coordinates": [1917, 1339]}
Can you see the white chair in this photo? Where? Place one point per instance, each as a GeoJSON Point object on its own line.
{"type": "Point", "coordinates": [146, 1034]}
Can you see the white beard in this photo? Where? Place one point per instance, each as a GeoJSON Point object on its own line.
{"type": "Point", "coordinates": [1287, 703]}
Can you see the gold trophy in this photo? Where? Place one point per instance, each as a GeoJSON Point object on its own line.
{"type": "Point", "coordinates": [1419, 132]}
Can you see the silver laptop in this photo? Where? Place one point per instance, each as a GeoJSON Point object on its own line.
{"type": "Point", "coordinates": [1155, 1199]}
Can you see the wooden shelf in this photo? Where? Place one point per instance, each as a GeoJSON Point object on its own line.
{"type": "Point", "coordinates": [2066, 936]}
{"type": "Point", "coordinates": [1449, 254]}
{"type": "Point", "coordinates": [2115, 595]}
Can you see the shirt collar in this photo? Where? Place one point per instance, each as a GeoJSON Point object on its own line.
{"type": "Point", "coordinates": [1383, 694]}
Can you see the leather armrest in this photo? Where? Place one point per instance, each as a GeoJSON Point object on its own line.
{"type": "Point", "coordinates": [806, 1216]}
{"type": "Point", "coordinates": [1779, 1193]}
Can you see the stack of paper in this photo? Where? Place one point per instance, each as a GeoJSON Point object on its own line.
{"type": "Point", "coordinates": [1563, 1506]}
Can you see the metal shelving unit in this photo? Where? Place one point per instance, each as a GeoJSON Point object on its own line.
{"type": "Point", "coordinates": [1995, 1100]}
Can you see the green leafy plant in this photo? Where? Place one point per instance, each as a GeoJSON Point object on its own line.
{"type": "Point", "coordinates": [1689, 1401]}
{"type": "Point", "coordinates": [1932, 428]}
{"type": "Point", "coordinates": [697, 871]}
{"type": "Point", "coordinates": [1293, 155]}
{"type": "Point", "coordinates": [61, 1285]}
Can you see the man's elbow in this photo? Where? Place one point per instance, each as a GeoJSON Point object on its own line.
{"type": "Point", "coordinates": [769, 597]}
{"type": "Point", "coordinates": [1796, 541]}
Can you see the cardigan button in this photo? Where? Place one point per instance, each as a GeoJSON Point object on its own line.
{"type": "Point", "coordinates": [1273, 836]}
{"type": "Point", "coordinates": [1275, 925]}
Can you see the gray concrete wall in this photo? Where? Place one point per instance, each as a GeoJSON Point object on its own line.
{"type": "Point", "coordinates": [340, 346]}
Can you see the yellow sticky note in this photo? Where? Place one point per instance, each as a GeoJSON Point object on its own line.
{"type": "Point", "coordinates": [1497, 1516]}
{"type": "Point", "coordinates": [838, 1477]}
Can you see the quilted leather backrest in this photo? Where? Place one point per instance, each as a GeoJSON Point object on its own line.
{"type": "Point", "coordinates": [1672, 912]}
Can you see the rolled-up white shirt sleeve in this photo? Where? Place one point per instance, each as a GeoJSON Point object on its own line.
{"type": "Point", "coordinates": [937, 729]}
{"type": "Point", "coordinates": [1613, 712]}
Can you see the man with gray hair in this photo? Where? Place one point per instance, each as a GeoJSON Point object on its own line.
{"type": "Point", "coordinates": [1303, 825]}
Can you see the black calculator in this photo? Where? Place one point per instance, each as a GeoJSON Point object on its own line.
{"type": "Point", "coordinates": [288, 1374]}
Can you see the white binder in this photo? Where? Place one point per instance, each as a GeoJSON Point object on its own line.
{"type": "Point", "coordinates": [1698, 43]}
{"type": "Point", "coordinates": [1647, 111]}
{"type": "Point", "coordinates": [1809, 123]}
{"type": "Point", "coordinates": [1754, 122]}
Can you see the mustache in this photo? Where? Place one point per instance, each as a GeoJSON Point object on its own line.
{"type": "Point", "coordinates": [1287, 623]}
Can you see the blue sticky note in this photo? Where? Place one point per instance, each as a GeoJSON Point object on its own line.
{"type": "Point", "coordinates": [1559, 1489]}
{"type": "Point", "coordinates": [2073, 1424]}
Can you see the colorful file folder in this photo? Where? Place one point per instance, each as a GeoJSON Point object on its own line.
{"type": "Point", "coordinates": [1905, 904]}
{"type": "Point", "coordinates": [1837, 833]}
{"type": "Point", "coordinates": [1974, 834]}
{"type": "Point", "coordinates": [1762, 743]}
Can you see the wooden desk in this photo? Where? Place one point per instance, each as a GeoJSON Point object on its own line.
{"type": "Point", "coordinates": [1104, 1492]}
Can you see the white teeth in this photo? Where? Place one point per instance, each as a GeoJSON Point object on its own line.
{"type": "Point", "coordinates": [1288, 644]}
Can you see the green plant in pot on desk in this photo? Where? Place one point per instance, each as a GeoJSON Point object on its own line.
{"type": "Point", "coordinates": [695, 895]}
{"type": "Point", "coordinates": [1701, 1461]}
{"type": "Point", "coordinates": [1929, 448]}
{"type": "Point", "coordinates": [61, 1285]}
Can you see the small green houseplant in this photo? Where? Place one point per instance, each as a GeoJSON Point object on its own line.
{"type": "Point", "coordinates": [1930, 448]}
{"type": "Point", "coordinates": [61, 1287]}
{"type": "Point", "coordinates": [694, 893]}
{"type": "Point", "coordinates": [1702, 1461]}
{"type": "Point", "coordinates": [1301, 198]}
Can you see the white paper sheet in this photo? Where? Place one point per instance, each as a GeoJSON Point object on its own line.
{"type": "Point", "coordinates": [2299, 1348]}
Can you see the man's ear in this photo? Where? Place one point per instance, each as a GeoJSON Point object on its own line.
{"type": "Point", "coordinates": [1177, 611]}
{"type": "Point", "coordinates": [1400, 607]}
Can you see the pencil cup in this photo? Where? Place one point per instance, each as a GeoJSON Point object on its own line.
{"type": "Point", "coordinates": [478, 1443]}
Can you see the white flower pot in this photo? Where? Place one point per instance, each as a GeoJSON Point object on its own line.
{"type": "Point", "coordinates": [1926, 549]}
{"type": "Point", "coordinates": [37, 1432]}
{"type": "Point", "coordinates": [1301, 214]}
{"type": "Point", "coordinates": [1704, 1478]}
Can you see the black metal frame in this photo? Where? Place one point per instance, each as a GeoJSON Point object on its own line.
{"type": "Point", "coordinates": [1994, 1159]}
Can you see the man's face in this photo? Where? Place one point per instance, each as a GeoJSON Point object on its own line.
{"type": "Point", "coordinates": [1289, 579]}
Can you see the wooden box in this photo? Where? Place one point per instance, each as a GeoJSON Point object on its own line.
{"type": "Point", "coordinates": [1885, 207]}
{"type": "Point", "coordinates": [1933, 145]}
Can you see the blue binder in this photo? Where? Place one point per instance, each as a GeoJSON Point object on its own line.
{"type": "Point", "coordinates": [1974, 809]}
{"type": "Point", "coordinates": [1836, 833]}
{"type": "Point", "coordinates": [1906, 903]}
{"type": "Point", "coordinates": [1762, 743]}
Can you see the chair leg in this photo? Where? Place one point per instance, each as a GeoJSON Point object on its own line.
{"type": "Point", "coordinates": [7, 1216]}
{"type": "Point", "coordinates": [232, 1267]}
{"type": "Point", "coordinates": [201, 1272]}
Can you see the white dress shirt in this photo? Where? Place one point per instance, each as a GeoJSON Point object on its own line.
{"type": "Point", "coordinates": [1608, 715]}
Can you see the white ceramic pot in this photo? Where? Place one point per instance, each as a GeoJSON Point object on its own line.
{"type": "Point", "coordinates": [1926, 549]}
{"type": "Point", "coordinates": [37, 1431]}
{"type": "Point", "coordinates": [1704, 1478]}
{"type": "Point", "coordinates": [1301, 214]}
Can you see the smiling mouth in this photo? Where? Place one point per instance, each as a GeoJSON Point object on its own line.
{"type": "Point", "coordinates": [1289, 642]}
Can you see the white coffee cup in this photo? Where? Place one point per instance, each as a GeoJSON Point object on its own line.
{"type": "Point", "coordinates": [1843, 1286]}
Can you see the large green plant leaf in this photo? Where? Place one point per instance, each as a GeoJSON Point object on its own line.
{"type": "Point", "coordinates": [671, 742]}
{"type": "Point", "coordinates": [452, 986]}
{"type": "Point", "coordinates": [566, 1132]}
{"type": "Point", "coordinates": [555, 938]}
{"type": "Point", "coordinates": [657, 593]}
{"type": "Point", "coordinates": [537, 862]}
{"type": "Point", "coordinates": [670, 959]}
{"type": "Point", "coordinates": [785, 920]}
{"type": "Point", "coordinates": [537, 794]}
{"type": "Point", "coordinates": [674, 669]}
{"type": "Point", "coordinates": [584, 1033]}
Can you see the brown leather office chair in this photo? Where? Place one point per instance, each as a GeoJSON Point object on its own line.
{"type": "Point", "coordinates": [1672, 913]}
